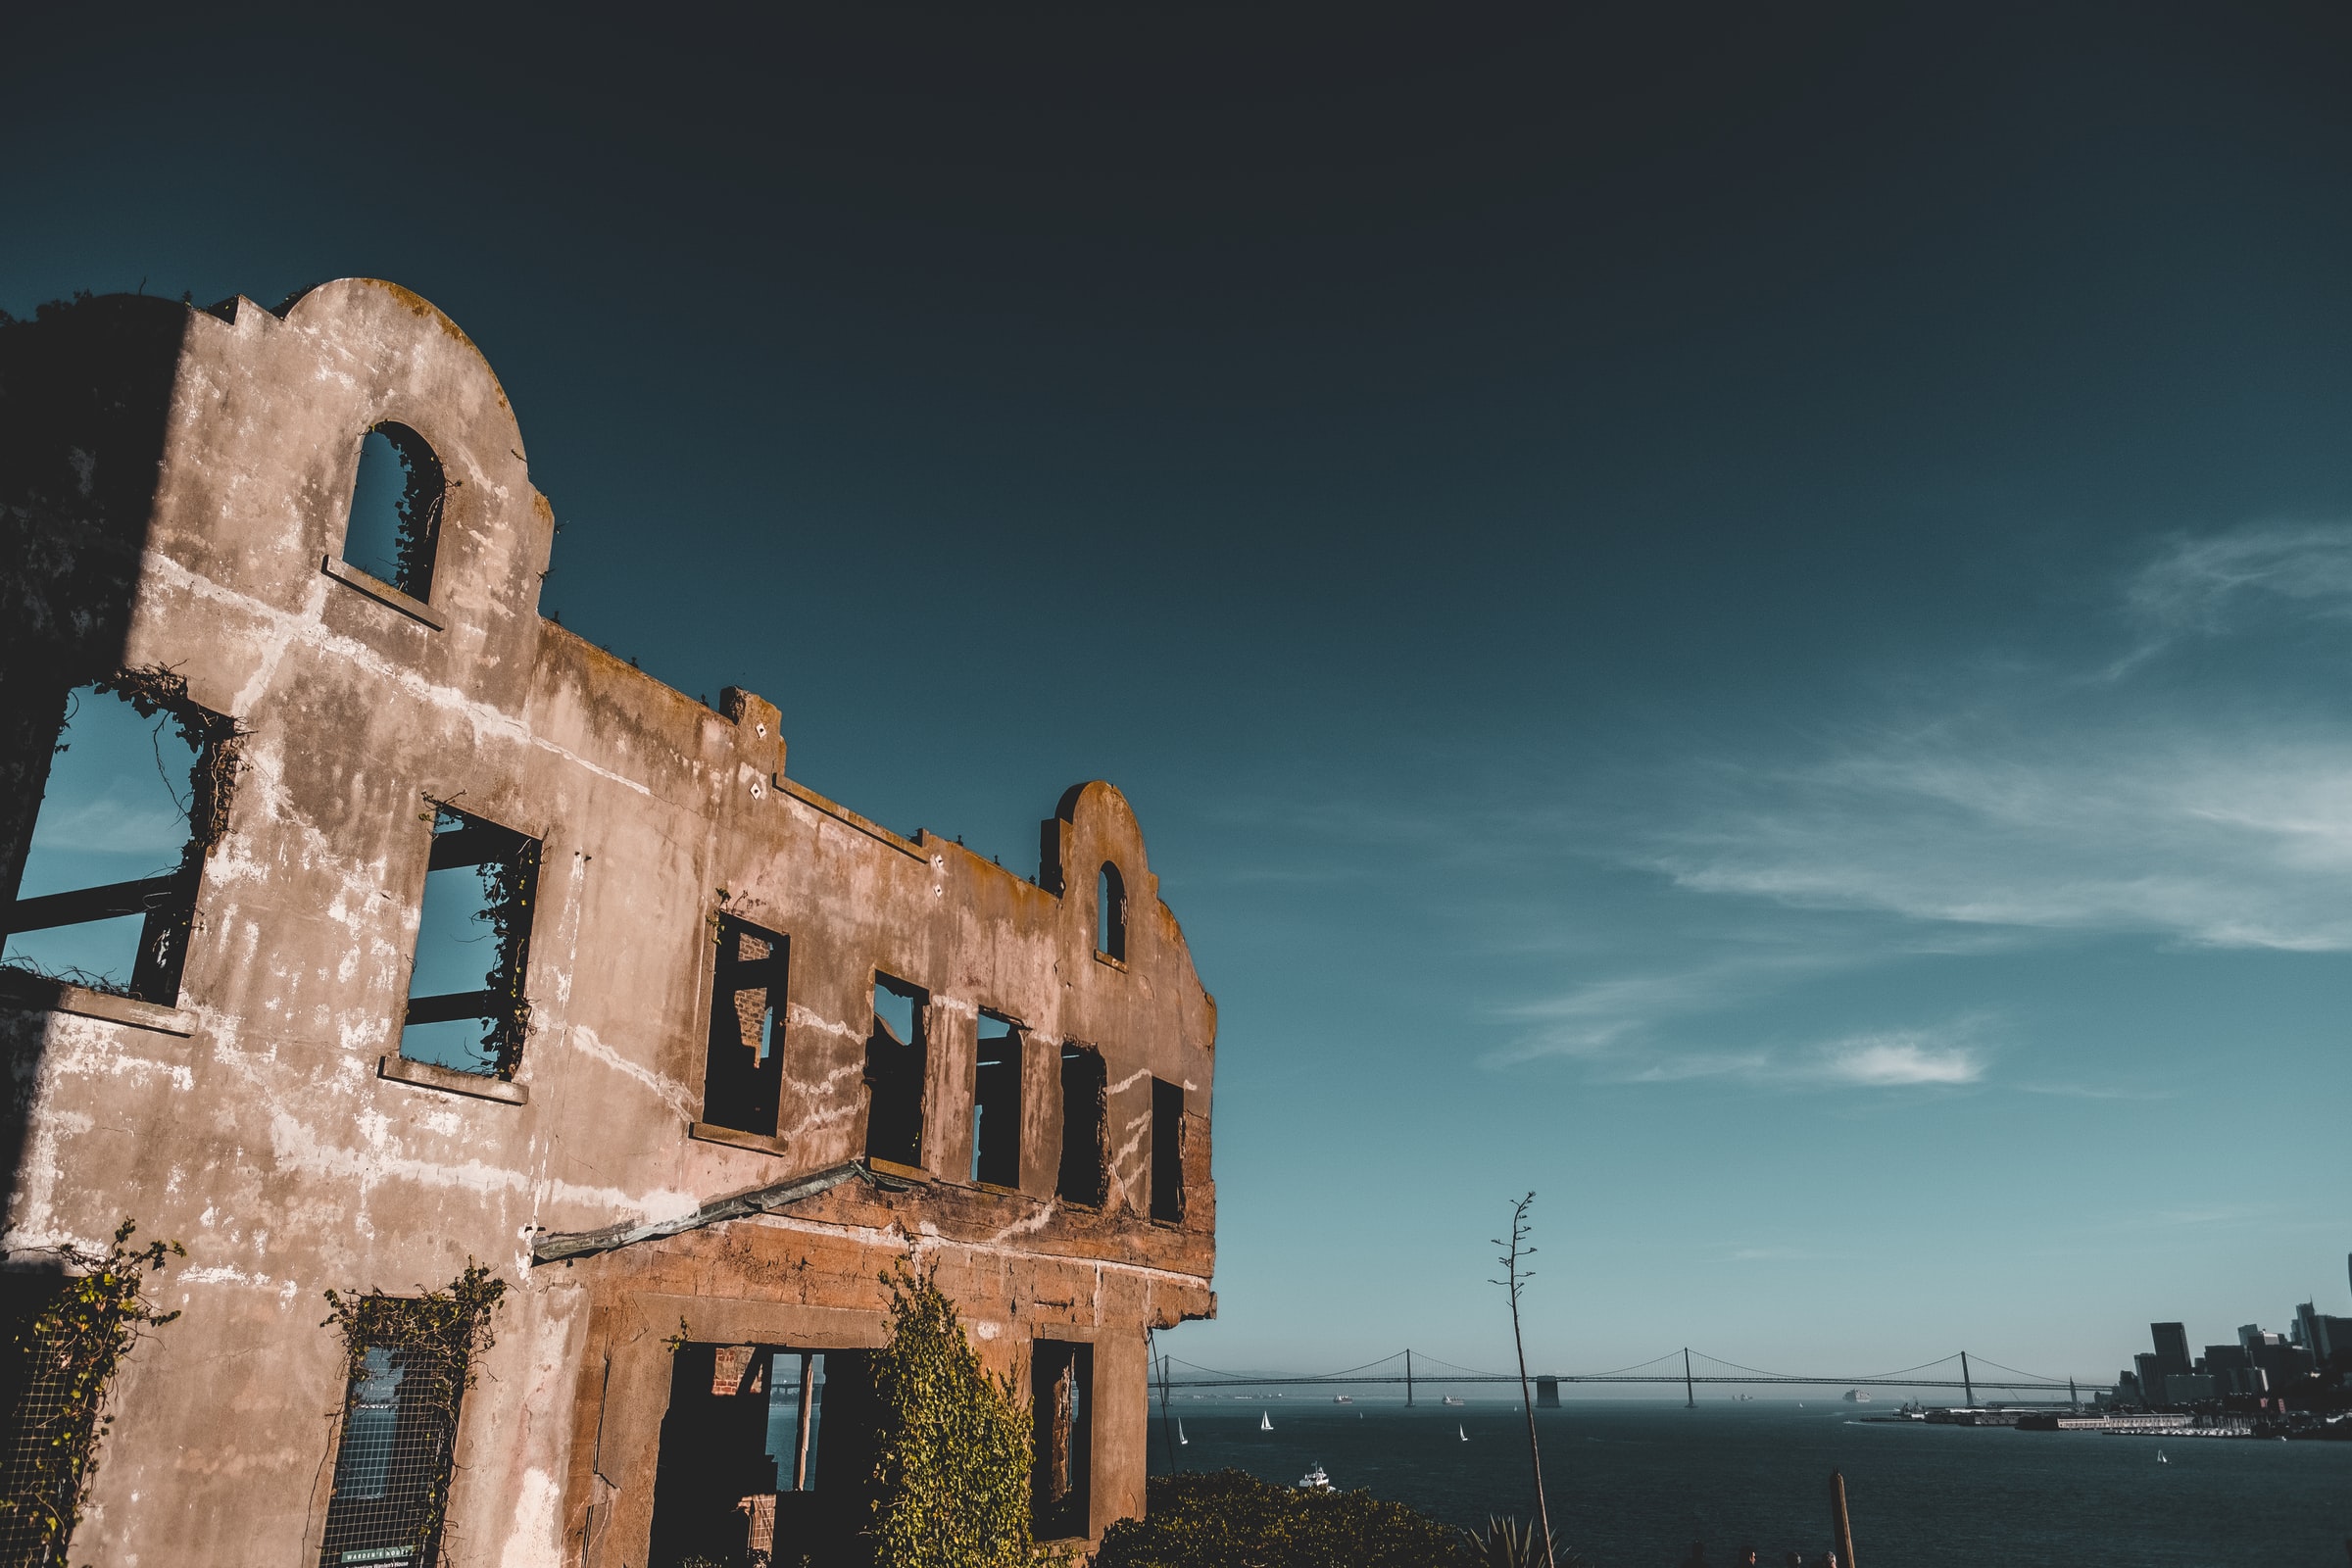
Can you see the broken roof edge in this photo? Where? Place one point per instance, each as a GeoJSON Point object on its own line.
{"type": "Point", "coordinates": [551, 1246]}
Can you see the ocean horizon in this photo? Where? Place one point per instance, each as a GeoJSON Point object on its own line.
{"type": "Point", "coordinates": [1634, 1482]}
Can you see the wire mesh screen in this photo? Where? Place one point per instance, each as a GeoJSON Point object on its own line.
{"type": "Point", "coordinates": [43, 1425]}
{"type": "Point", "coordinates": [392, 1469]}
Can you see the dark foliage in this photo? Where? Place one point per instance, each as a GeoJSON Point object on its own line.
{"type": "Point", "coordinates": [1232, 1520]}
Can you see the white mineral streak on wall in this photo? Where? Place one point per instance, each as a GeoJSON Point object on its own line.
{"type": "Point", "coordinates": [671, 1092]}
{"type": "Point", "coordinates": [485, 720]}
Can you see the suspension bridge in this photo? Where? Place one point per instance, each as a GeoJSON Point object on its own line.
{"type": "Point", "coordinates": [1684, 1367]}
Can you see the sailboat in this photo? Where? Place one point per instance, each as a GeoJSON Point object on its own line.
{"type": "Point", "coordinates": [1458, 1432]}
{"type": "Point", "coordinates": [1182, 1440]}
{"type": "Point", "coordinates": [1263, 1424]}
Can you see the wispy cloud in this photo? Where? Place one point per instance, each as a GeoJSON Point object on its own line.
{"type": "Point", "coordinates": [1901, 1060]}
{"type": "Point", "coordinates": [2009, 801]}
{"type": "Point", "coordinates": [2205, 583]}
{"type": "Point", "coordinates": [2227, 840]}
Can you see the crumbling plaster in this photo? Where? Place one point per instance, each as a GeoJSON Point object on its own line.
{"type": "Point", "coordinates": [254, 1123]}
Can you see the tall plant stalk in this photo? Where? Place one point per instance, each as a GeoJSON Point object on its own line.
{"type": "Point", "coordinates": [1515, 1275]}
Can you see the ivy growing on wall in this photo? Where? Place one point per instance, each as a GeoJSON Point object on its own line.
{"type": "Point", "coordinates": [952, 1467]}
{"type": "Point", "coordinates": [509, 888]}
{"type": "Point", "coordinates": [65, 1357]}
{"type": "Point", "coordinates": [438, 1339]}
{"type": "Point", "coordinates": [217, 741]}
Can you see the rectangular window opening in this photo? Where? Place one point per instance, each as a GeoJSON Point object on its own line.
{"type": "Point", "coordinates": [744, 1076]}
{"type": "Point", "coordinates": [466, 1009]}
{"type": "Point", "coordinates": [996, 1104]}
{"type": "Point", "coordinates": [766, 1455]}
{"type": "Point", "coordinates": [135, 787]}
{"type": "Point", "coordinates": [1060, 1403]}
{"type": "Point", "coordinates": [1167, 1151]}
{"type": "Point", "coordinates": [1084, 1126]}
{"type": "Point", "coordinates": [894, 1073]}
{"type": "Point", "coordinates": [393, 1463]}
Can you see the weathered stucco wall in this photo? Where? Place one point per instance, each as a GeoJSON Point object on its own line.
{"type": "Point", "coordinates": [253, 1119]}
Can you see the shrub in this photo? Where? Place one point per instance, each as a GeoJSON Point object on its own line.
{"type": "Point", "coordinates": [1232, 1520]}
{"type": "Point", "coordinates": [951, 1464]}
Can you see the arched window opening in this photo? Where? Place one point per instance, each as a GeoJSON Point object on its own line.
{"type": "Point", "coordinates": [1110, 913]}
{"type": "Point", "coordinates": [396, 503]}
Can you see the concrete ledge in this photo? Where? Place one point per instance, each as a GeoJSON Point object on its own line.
{"type": "Point", "coordinates": [40, 994]}
{"type": "Point", "coordinates": [706, 1133]}
{"type": "Point", "coordinates": [424, 1075]}
{"type": "Point", "coordinates": [382, 591]}
{"type": "Point", "coordinates": [793, 789]}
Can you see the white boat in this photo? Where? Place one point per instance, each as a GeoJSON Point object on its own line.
{"type": "Point", "coordinates": [1460, 1433]}
{"type": "Point", "coordinates": [1264, 1423]}
{"type": "Point", "coordinates": [1343, 1398]}
{"type": "Point", "coordinates": [1181, 1439]}
{"type": "Point", "coordinates": [1450, 1400]}
{"type": "Point", "coordinates": [1856, 1397]}
{"type": "Point", "coordinates": [1314, 1481]}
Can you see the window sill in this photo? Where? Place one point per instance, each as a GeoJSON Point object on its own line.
{"type": "Point", "coordinates": [382, 591]}
{"type": "Point", "coordinates": [1110, 962]}
{"type": "Point", "coordinates": [57, 996]}
{"type": "Point", "coordinates": [734, 1138]}
{"type": "Point", "coordinates": [891, 1167]}
{"type": "Point", "coordinates": [424, 1075]}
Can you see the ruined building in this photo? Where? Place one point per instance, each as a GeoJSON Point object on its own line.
{"type": "Point", "coordinates": [457, 941]}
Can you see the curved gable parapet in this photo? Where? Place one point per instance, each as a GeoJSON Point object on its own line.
{"type": "Point", "coordinates": [256, 492]}
{"type": "Point", "coordinates": [1094, 825]}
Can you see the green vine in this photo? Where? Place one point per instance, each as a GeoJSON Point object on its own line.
{"type": "Point", "coordinates": [452, 1323]}
{"type": "Point", "coordinates": [952, 1467]}
{"type": "Point", "coordinates": [509, 888]}
{"type": "Point", "coordinates": [217, 741]}
{"type": "Point", "coordinates": [454, 1320]}
{"type": "Point", "coordinates": [66, 1354]}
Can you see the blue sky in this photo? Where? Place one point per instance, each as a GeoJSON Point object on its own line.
{"type": "Point", "coordinates": [1736, 620]}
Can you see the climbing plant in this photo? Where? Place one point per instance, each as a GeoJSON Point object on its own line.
{"type": "Point", "coordinates": [509, 887]}
{"type": "Point", "coordinates": [437, 1340]}
{"type": "Point", "coordinates": [952, 1465]}
{"type": "Point", "coordinates": [216, 740]}
{"type": "Point", "coordinates": [64, 1359]}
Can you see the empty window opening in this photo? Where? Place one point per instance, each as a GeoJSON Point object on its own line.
{"type": "Point", "coordinates": [1085, 1125]}
{"type": "Point", "coordinates": [393, 1463]}
{"type": "Point", "coordinates": [135, 795]}
{"type": "Point", "coordinates": [766, 1455]}
{"type": "Point", "coordinates": [396, 504]}
{"type": "Point", "coordinates": [997, 1104]}
{"type": "Point", "coordinates": [1167, 1151]}
{"type": "Point", "coordinates": [894, 1073]}
{"type": "Point", "coordinates": [744, 1080]}
{"type": "Point", "coordinates": [1110, 913]}
{"type": "Point", "coordinates": [466, 1011]}
{"type": "Point", "coordinates": [1060, 1403]}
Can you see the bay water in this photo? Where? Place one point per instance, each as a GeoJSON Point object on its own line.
{"type": "Point", "coordinates": [1632, 1483]}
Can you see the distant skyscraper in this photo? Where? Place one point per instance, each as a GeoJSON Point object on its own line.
{"type": "Point", "coordinates": [2171, 1345]}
